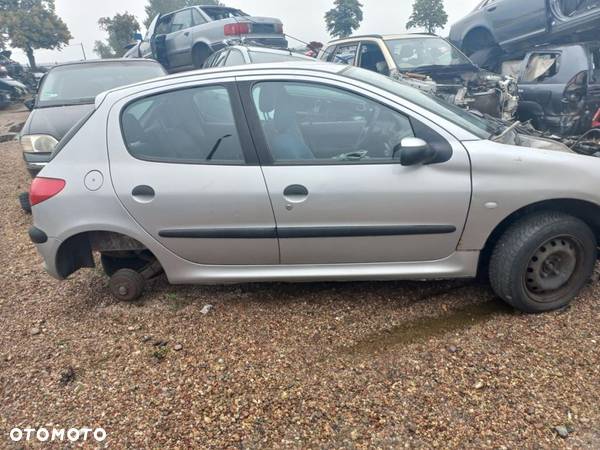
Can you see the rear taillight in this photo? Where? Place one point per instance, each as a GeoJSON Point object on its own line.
{"type": "Point", "coordinates": [596, 120]}
{"type": "Point", "coordinates": [44, 188]}
{"type": "Point", "coordinates": [576, 88]}
{"type": "Point", "coordinates": [237, 29]}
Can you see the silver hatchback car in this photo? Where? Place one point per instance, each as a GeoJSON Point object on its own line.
{"type": "Point", "coordinates": [313, 171]}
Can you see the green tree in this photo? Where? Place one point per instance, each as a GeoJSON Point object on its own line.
{"type": "Point", "coordinates": [120, 29]}
{"type": "Point", "coordinates": [344, 18]}
{"type": "Point", "coordinates": [31, 25]}
{"type": "Point", "coordinates": [156, 7]}
{"type": "Point", "coordinates": [428, 14]}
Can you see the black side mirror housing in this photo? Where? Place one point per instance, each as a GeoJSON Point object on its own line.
{"type": "Point", "coordinates": [138, 37]}
{"type": "Point", "coordinates": [414, 152]}
{"type": "Point", "coordinates": [29, 104]}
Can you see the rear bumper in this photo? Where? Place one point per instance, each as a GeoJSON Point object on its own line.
{"type": "Point", "coordinates": [48, 250]}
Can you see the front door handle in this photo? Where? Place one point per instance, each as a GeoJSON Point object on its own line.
{"type": "Point", "coordinates": [491, 9]}
{"type": "Point", "coordinates": [143, 193]}
{"type": "Point", "coordinates": [295, 193]}
{"type": "Point", "coordinates": [295, 190]}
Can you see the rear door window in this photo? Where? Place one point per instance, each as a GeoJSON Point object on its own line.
{"type": "Point", "coordinates": [181, 21]}
{"type": "Point", "coordinates": [195, 126]}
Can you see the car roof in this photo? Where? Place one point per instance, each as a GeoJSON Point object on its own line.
{"type": "Point", "coordinates": [385, 37]}
{"type": "Point", "coordinates": [104, 61]}
{"type": "Point", "coordinates": [249, 69]}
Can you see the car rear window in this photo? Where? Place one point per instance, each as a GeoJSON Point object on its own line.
{"type": "Point", "coordinates": [80, 83]}
{"type": "Point", "coordinates": [267, 57]}
{"type": "Point", "coordinates": [218, 13]}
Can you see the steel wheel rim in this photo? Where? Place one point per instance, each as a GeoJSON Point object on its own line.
{"type": "Point", "coordinates": [552, 267]}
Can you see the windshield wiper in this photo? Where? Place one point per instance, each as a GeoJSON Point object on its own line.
{"type": "Point", "coordinates": [497, 137]}
{"type": "Point", "coordinates": [450, 67]}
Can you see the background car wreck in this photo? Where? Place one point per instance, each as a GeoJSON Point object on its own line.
{"type": "Point", "coordinates": [432, 64]}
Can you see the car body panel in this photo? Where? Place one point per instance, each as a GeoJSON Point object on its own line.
{"type": "Point", "coordinates": [505, 179]}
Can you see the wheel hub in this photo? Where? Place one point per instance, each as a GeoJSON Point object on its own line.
{"type": "Point", "coordinates": [552, 265]}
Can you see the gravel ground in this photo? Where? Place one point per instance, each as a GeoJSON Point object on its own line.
{"type": "Point", "coordinates": [322, 365]}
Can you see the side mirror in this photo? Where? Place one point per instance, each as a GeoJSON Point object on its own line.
{"type": "Point", "coordinates": [29, 104]}
{"type": "Point", "coordinates": [414, 151]}
{"type": "Point", "coordinates": [138, 37]}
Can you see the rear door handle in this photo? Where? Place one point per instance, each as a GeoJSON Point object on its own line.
{"type": "Point", "coordinates": [143, 193]}
{"type": "Point", "coordinates": [491, 9]}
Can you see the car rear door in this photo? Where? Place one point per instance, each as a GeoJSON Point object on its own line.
{"type": "Point", "coordinates": [183, 166]}
{"type": "Point", "coordinates": [179, 40]}
{"type": "Point", "coordinates": [338, 193]}
{"type": "Point", "coordinates": [515, 20]}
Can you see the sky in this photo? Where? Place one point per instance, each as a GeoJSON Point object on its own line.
{"type": "Point", "coordinates": [301, 19]}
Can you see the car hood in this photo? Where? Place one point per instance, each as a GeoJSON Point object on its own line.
{"type": "Point", "coordinates": [55, 121]}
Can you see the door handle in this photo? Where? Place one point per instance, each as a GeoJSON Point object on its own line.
{"type": "Point", "coordinates": [187, 33]}
{"type": "Point", "coordinates": [295, 193]}
{"type": "Point", "coordinates": [143, 193]}
{"type": "Point", "coordinates": [295, 190]}
{"type": "Point", "coordinates": [491, 9]}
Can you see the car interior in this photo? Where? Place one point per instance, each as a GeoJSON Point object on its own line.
{"type": "Point", "coordinates": [308, 122]}
{"type": "Point", "coordinates": [190, 125]}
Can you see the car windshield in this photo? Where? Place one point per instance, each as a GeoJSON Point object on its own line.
{"type": "Point", "coordinates": [425, 52]}
{"type": "Point", "coordinates": [81, 83]}
{"type": "Point", "coordinates": [218, 13]}
{"type": "Point", "coordinates": [478, 126]}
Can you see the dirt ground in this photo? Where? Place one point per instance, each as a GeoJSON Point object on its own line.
{"type": "Point", "coordinates": [325, 365]}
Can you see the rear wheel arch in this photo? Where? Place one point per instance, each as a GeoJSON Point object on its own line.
{"type": "Point", "coordinates": [584, 210]}
{"type": "Point", "coordinates": [77, 251]}
{"type": "Point", "coordinates": [200, 53]}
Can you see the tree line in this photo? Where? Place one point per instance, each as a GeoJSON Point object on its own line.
{"type": "Point", "coordinates": [30, 25]}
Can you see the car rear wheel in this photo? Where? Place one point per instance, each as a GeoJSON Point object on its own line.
{"type": "Point", "coordinates": [127, 285]}
{"type": "Point", "coordinates": [543, 261]}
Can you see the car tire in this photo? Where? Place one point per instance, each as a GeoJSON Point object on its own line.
{"type": "Point", "coordinates": [200, 54]}
{"type": "Point", "coordinates": [543, 261]}
{"type": "Point", "coordinates": [112, 264]}
{"type": "Point", "coordinates": [24, 202]}
{"type": "Point", "coordinates": [127, 285]}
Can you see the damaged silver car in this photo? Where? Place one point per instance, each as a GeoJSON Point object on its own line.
{"type": "Point", "coordinates": [432, 64]}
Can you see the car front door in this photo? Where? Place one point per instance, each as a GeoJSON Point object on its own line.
{"type": "Point", "coordinates": [338, 191]}
{"type": "Point", "coordinates": [179, 40]}
{"type": "Point", "coordinates": [516, 20]}
{"type": "Point", "coordinates": [183, 167]}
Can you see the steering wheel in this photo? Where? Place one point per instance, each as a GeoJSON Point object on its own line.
{"type": "Point", "coordinates": [368, 128]}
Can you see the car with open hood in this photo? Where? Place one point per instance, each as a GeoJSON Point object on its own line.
{"type": "Point", "coordinates": [66, 95]}
{"type": "Point", "coordinates": [306, 171]}
{"type": "Point", "coordinates": [184, 39]}
{"type": "Point", "coordinates": [430, 63]}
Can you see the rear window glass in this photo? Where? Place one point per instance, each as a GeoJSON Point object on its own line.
{"type": "Point", "coordinates": [217, 13]}
{"type": "Point", "coordinates": [81, 83]}
{"type": "Point", "coordinates": [266, 57]}
{"type": "Point", "coordinates": [186, 126]}
{"type": "Point", "coordinates": [540, 67]}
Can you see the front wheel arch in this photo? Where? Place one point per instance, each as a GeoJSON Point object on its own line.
{"type": "Point", "coordinates": [584, 210]}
